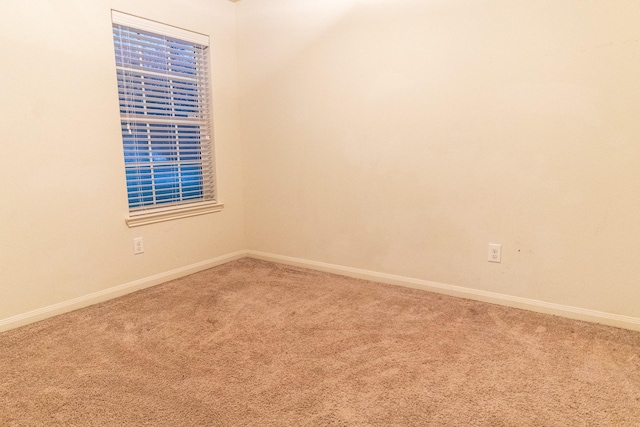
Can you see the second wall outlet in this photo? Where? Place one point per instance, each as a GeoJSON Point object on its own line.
{"type": "Point", "coordinates": [495, 252]}
{"type": "Point", "coordinates": [138, 245]}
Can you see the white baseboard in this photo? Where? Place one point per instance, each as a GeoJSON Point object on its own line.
{"type": "Point", "coordinates": [570, 312]}
{"type": "Point", "coordinates": [116, 291]}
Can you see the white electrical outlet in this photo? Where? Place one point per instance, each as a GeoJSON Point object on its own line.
{"type": "Point", "coordinates": [495, 252]}
{"type": "Point", "coordinates": [138, 245]}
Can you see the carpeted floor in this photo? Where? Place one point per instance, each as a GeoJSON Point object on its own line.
{"type": "Point", "coordinates": [252, 343]}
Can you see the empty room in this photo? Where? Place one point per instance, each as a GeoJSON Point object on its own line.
{"type": "Point", "coordinates": [320, 213]}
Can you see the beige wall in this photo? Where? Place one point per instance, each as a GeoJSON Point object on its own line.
{"type": "Point", "coordinates": [62, 190]}
{"type": "Point", "coordinates": [402, 136]}
{"type": "Point", "coordinates": [397, 136]}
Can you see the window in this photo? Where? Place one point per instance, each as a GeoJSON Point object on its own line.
{"type": "Point", "coordinates": [163, 90]}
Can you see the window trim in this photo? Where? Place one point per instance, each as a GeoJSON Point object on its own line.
{"type": "Point", "coordinates": [152, 216]}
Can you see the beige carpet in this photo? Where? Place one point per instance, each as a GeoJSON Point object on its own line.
{"type": "Point", "coordinates": [252, 343]}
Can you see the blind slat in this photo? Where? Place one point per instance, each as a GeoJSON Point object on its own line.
{"type": "Point", "coordinates": [152, 27]}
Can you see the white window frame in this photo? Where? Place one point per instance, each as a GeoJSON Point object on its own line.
{"type": "Point", "coordinates": [147, 208]}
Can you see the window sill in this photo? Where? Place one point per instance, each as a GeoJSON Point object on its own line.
{"type": "Point", "coordinates": [153, 216]}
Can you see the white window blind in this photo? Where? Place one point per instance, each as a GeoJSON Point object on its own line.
{"type": "Point", "coordinates": [163, 90]}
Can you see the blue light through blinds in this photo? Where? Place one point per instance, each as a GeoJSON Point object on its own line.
{"type": "Point", "coordinates": [163, 90]}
